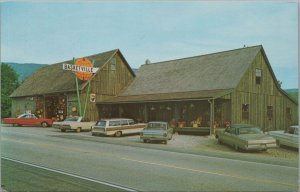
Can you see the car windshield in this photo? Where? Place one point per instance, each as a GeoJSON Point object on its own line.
{"type": "Point", "coordinates": [249, 130]}
{"type": "Point", "coordinates": [101, 123]}
{"type": "Point", "coordinates": [27, 116]}
{"type": "Point", "coordinates": [156, 126]}
{"type": "Point", "coordinates": [72, 119]}
{"type": "Point", "coordinates": [292, 130]}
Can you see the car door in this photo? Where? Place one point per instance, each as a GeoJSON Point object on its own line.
{"type": "Point", "coordinates": [226, 136]}
{"type": "Point", "coordinates": [291, 137]}
{"type": "Point", "coordinates": [169, 132]}
{"type": "Point", "coordinates": [24, 120]}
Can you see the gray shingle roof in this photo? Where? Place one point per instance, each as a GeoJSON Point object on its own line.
{"type": "Point", "coordinates": [53, 79]}
{"type": "Point", "coordinates": [193, 95]}
{"type": "Point", "coordinates": [194, 77]}
{"type": "Point", "coordinates": [222, 70]}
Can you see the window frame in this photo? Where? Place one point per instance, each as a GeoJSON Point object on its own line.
{"type": "Point", "coordinates": [270, 112]}
{"type": "Point", "coordinates": [113, 64]}
{"type": "Point", "coordinates": [258, 76]}
{"type": "Point", "coordinates": [245, 111]}
{"type": "Point", "coordinates": [288, 112]}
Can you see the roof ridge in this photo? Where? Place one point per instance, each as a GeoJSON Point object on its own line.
{"type": "Point", "coordinates": [113, 50]}
{"type": "Point", "coordinates": [232, 50]}
{"type": "Point", "coordinates": [120, 95]}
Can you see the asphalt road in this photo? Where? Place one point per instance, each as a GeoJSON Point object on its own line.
{"type": "Point", "coordinates": [138, 167]}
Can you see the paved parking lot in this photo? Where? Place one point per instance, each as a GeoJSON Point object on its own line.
{"type": "Point", "coordinates": [188, 143]}
{"type": "Point", "coordinates": [205, 143]}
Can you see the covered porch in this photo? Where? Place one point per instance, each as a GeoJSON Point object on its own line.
{"type": "Point", "coordinates": [199, 116]}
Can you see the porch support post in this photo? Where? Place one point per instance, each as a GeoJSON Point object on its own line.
{"type": "Point", "coordinates": [119, 110]}
{"type": "Point", "coordinates": [212, 114]}
{"type": "Point", "coordinates": [145, 113]}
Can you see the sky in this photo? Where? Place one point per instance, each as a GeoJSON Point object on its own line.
{"type": "Point", "coordinates": [52, 32]}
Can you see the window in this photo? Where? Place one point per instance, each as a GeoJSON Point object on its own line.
{"type": "Point", "coordinates": [258, 75]}
{"type": "Point", "coordinates": [245, 111]}
{"type": "Point", "coordinates": [114, 123]}
{"type": "Point", "coordinates": [124, 122]}
{"type": "Point", "coordinates": [113, 63]}
{"type": "Point", "coordinates": [270, 112]}
{"type": "Point", "coordinates": [288, 113]}
{"type": "Point", "coordinates": [131, 122]}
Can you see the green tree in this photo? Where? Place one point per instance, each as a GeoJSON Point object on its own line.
{"type": "Point", "coordinates": [9, 82]}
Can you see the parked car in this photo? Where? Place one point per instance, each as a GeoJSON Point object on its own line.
{"type": "Point", "coordinates": [74, 123]}
{"type": "Point", "coordinates": [28, 120]}
{"type": "Point", "coordinates": [289, 137]}
{"type": "Point", "coordinates": [117, 127]}
{"type": "Point", "coordinates": [157, 131]}
{"type": "Point", "coordinates": [245, 137]}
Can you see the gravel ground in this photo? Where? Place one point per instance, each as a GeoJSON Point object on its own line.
{"type": "Point", "coordinates": [209, 143]}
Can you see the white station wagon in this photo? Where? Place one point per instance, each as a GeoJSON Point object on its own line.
{"type": "Point", "coordinates": [117, 127]}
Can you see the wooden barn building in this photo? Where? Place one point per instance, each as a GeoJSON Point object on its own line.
{"type": "Point", "coordinates": [51, 91]}
{"type": "Point", "coordinates": [213, 90]}
{"type": "Point", "coordinates": [207, 91]}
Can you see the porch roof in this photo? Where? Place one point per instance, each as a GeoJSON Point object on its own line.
{"type": "Point", "coordinates": [161, 97]}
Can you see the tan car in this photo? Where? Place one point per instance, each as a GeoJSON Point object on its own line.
{"type": "Point", "coordinates": [289, 137]}
{"type": "Point", "coordinates": [245, 137]}
{"type": "Point", "coordinates": [74, 123]}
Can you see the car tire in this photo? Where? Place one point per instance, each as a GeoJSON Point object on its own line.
{"type": "Point", "coordinates": [78, 129]}
{"type": "Point", "coordinates": [236, 148]}
{"type": "Point", "coordinates": [145, 141]}
{"type": "Point", "coordinates": [118, 134]}
{"type": "Point", "coordinates": [278, 143]}
{"type": "Point", "coordinates": [44, 124]}
{"type": "Point", "coordinates": [165, 142]}
{"type": "Point", "coordinates": [219, 141]}
{"type": "Point", "coordinates": [63, 130]}
{"type": "Point", "coordinates": [264, 150]}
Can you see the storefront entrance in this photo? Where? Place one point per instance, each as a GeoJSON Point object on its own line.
{"type": "Point", "coordinates": [54, 107]}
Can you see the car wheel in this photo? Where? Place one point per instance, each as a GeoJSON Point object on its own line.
{"type": "Point", "coordinates": [278, 143]}
{"type": "Point", "coordinates": [63, 130]}
{"type": "Point", "coordinates": [264, 149]}
{"type": "Point", "coordinates": [44, 124]}
{"type": "Point", "coordinates": [78, 129]}
{"type": "Point", "coordinates": [236, 148]}
{"type": "Point", "coordinates": [165, 142]}
{"type": "Point", "coordinates": [145, 140]}
{"type": "Point", "coordinates": [118, 134]}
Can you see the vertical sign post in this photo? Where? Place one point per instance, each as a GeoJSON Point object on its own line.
{"type": "Point", "coordinates": [84, 70]}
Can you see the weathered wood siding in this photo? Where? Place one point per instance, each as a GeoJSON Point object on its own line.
{"type": "Point", "coordinates": [23, 104]}
{"type": "Point", "coordinates": [107, 83]}
{"type": "Point", "coordinates": [259, 96]}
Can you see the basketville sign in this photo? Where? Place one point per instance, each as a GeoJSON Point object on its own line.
{"type": "Point", "coordinates": [84, 70]}
{"type": "Point", "coordinates": [77, 68]}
